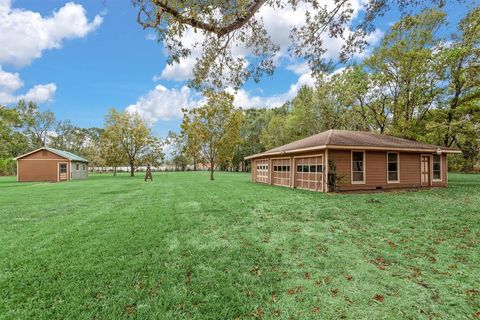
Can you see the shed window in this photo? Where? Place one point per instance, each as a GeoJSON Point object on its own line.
{"type": "Point", "coordinates": [358, 166]}
{"type": "Point", "coordinates": [392, 167]}
{"type": "Point", "coordinates": [83, 166]}
{"type": "Point", "coordinates": [437, 167]}
{"type": "Point", "coordinates": [63, 168]}
{"type": "Point", "coordinates": [78, 167]}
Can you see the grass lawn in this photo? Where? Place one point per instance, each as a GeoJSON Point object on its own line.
{"type": "Point", "coordinates": [186, 247]}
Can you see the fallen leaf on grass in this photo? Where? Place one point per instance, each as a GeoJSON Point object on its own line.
{"type": "Point", "coordinates": [258, 313]}
{"type": "Point", "coordinates": [130, 309]}
{"type": "Point", "coordinates": [378, 297]}
{"type": "Point", "coordinates": [477, 314]}
{"type": "Point", "coordinates": [392, 244]}
{"type": "Point", "coordinates": [348, 277]}
{"type": "Point", "coordinates": [307, 276]}
{"type": "Point", "coordinates": [415, 273]}
{"type": "Point", "coordinates": [295, 290]}
{"type": "Point", "coordinates": [316, 310]}
{"type": "Point", "coordinates": [472, 292]}
{"type": "Point", "coordinates": [276, 312]}
{"type": "Point", "coordinates": [256, 271]}
{"type": "Point", "coordinates": [274, 297]}
{"type": "Point", "coordinates": [334, 292]}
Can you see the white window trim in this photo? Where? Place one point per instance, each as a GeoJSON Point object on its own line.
{"type": "Point", "coordinates": [364, 181]}
{"type": "Point", "coordinates": [398, 168]}
{"type": "Point", "coordinates": [433, 177]}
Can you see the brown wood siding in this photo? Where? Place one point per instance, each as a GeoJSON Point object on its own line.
{"type": "Point", "coordinates": [375, 169]}
{"type": "Point", "coordinates": [40, 166]}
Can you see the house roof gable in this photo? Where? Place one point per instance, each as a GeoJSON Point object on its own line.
{"type": "Point", "coordinates": [64, 154]}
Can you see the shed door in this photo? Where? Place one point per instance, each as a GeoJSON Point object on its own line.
{"type": "Point", "coordinates": [261, 171]}
{"type": "Point", "coordinates": [425, 171]}
{"type": "Point", "coordinates": [281, 172]}
{"type": "Point", "coordinates": [62, 172]}
{"type": "Point", "coordinates": [309, 173]}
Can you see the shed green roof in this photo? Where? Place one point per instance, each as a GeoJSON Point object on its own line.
{"type": "Point", "coordinates": [70, 156]}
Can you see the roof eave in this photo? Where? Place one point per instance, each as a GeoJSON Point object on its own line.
{"type": "Point", "coordinates": [337, 147]}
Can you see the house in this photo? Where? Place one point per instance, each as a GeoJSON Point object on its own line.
{"type": "Point", "coordinates": [352, 160]}
{"type": "Point", "coordinates": [48, 164]}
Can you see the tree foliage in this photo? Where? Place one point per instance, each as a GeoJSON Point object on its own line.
{"type": "Point", "coordinates": [223, 27]}
{"type": "Point", "coordinates": [216, 127]}
{"type": "Point", "coordinates": [127, 136]}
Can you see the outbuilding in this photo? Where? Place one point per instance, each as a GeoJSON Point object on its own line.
{"type": "Point", "coordinates": [48, 164]}
{"type": "Point", "coordinates": [341, 160]}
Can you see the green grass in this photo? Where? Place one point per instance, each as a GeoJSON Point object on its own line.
{"type": "Point", "coordinates": [186, 247]}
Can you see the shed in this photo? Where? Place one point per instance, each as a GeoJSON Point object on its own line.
{"type": "Point", "coordinates": [49, 164]}
{"type": "Point", "coordinates": [361, 160]}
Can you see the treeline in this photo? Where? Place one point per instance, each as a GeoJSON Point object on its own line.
{"type": "Point", "coordinates": [124, 140]}
{"type": "Point", "coordinates": [417, 84]}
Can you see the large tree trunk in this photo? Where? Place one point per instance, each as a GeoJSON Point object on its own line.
{"type": "Point", "coordinates": [115, 171]}
{"type": "Point", "coordinates": [211, 171]}
{"type": "Point", "coordinates": [194, 163]}
{"type": "Point", "coordinates": [132, 169]}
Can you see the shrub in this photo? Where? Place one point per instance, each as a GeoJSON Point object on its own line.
{"type": "Point", "coordinates": [8, 167]}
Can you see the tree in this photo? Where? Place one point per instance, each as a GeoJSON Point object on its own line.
{"type": "Point", "coordinates": [217, 126]}
{"type": "Point", "coordinates": [177, 143]}
{"type": "Point", "coordinates": [37, 124]}
{"type": "Point", "coordinates": [190, 132]}
{"type": "Point", "coordinates": [128, 135]}
{"type": "Point", "coordinates": [405, 75]}
{"type": "Point", "coordinates": [221, 27]}
{"type": "Point", "coordinates": [255, 121]}
{"type": "Point", "coordinates": [456, 121]}
{"type": "Point", "coordinates": [9, 137]}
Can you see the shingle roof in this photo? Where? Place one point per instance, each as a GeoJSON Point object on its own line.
{"type": "Point", "coordinates": [65, 154]}
{"type": "Point", "coordinates": [345, 138]}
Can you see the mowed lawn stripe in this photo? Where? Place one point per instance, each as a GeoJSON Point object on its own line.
{"type": "Point", "coordinates": [186, 247]}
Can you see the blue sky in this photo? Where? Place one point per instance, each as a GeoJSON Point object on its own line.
{"type": "Point", "coordinates": [80, 59]}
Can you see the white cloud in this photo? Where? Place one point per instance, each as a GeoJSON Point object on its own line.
{"type": "Point", "coordinates": [278, 22]}
{"type": "Point", "coordinates": [11, 82]}
{"type": "Point", "coordinates": [162, 103]}
{"type": "Point", "coordinates": [24, 34]}
{"type": "Point", "coordinates": [246, 100]}
{"type": "Point", "coordinates": [41, 93]}
{"type": "Point", "coordinates": [299, 68]}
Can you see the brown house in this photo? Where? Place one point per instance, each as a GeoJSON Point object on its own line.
{"type": "Point", "coordinates": [48, 164]}
{"type": "Point", "coordinates": [361, 160]}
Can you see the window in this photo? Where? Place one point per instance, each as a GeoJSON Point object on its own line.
{"type": "Point", "coordinates": [281, 168]}
{"type": "Point", "coordinates": [392, 167]}
{"type": "Point", "coordinates": [78, 167]}
{"type": "Point", "coordinates": [358, 170]}
{"type": "Point", "coordinates": [63, 168]}
{"type": "Point", "coordinates": [437, 167]}
{"type": "Point", "coordinates": [83, 166]}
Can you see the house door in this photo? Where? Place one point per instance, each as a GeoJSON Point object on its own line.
{"type": "Point", "coordinates": [425, 171]}
{"type": "Point", "coordinates": [62, 172]}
